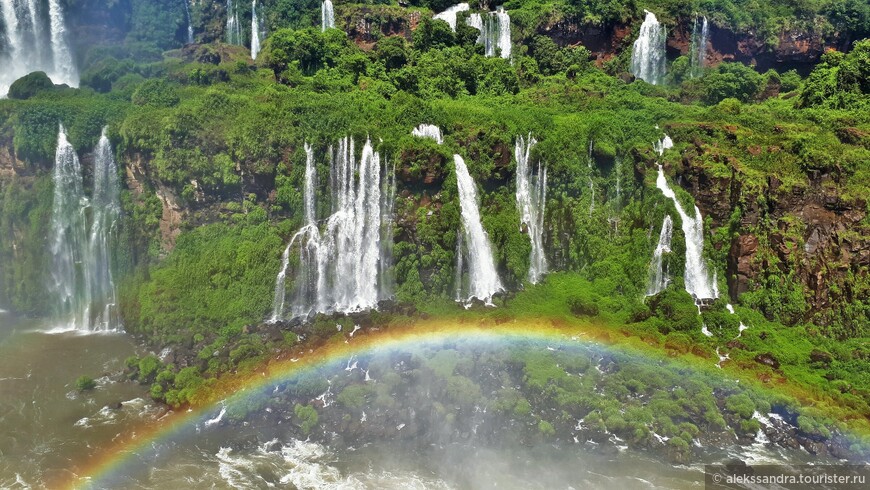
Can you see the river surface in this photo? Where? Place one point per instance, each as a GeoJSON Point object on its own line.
{"type": "Point", "coordinates": [50, 433]}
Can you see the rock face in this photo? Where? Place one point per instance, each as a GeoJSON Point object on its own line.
{"type": "Point", "coordinates": [793, 48]}
{"type": "Point", "coordinates": [807, 233]}
{"type": "Point", "coordinates": [365, 25]}
{"type": "Point", "coordinates": [170, 220]}
{"type": "Point", "coordinates": [605, 42]}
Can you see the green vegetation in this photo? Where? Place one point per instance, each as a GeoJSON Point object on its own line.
{"type": "Point", "coordinates": [30, 85]}
{"type": "Point", "coordinates": [85, 383]}
{"type": "Point", "coordinates": [212, 144]}
{"type": "Point", "coordinates": [307, 417]}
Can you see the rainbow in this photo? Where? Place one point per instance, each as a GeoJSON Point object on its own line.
{"type": "Point", "coordinates": [110, 468]}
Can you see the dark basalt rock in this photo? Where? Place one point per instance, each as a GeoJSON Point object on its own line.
{"type": "Point", "coordinates": [821, 357]}
{"type": "Point", "coordinates": [767, 359]}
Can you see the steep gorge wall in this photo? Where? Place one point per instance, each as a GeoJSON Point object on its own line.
{"type": "Point", "coordinates": [793, 48]}
{"type": "Point", "coordinates": [808, 233]}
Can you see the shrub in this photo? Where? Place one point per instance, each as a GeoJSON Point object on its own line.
{"type": "Point", "coordinates": [30, 85]}
{"type": "Point", "coordinates": [85, 383]}
{"type": "Point", "coordinates": [148, 367]}
{"type": "Point", "coordinates": [307, 416]}
{"type": "Point", "coordinates": [731, 80]}
{"type": "Point", "coordinates": [155, 93]}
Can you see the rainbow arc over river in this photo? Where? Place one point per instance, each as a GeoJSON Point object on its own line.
{"type": "Point", "coordinates": [115, 464]}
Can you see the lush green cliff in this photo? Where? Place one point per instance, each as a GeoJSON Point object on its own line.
{"type": "Point", "coordinates": [212, 148]}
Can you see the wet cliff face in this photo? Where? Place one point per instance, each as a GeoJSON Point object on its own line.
{"type": "Point", "coordinates": [365, 25]}
{"type": "Point", "coordinates": [796, 49]}
{"type": "Point", "coordinates": [808, 233]}
{"type": "Point", "coordinates": [605, 42]}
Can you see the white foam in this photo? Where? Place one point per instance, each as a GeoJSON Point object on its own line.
{"type": "Point", "coordinates": [216, 419]}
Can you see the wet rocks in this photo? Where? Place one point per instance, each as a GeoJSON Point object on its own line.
{"type": "Point", "coordinates": [767, 359]}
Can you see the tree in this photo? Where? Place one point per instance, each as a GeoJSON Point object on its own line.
{"type": "Point", "coordinates": [392, 51]}
{"type": "Point", "coordinates": [731, 80]}
{"type": "Point", "coordinates": [840, 81]}
{"type": "Point", "coordinates": [433, 34]}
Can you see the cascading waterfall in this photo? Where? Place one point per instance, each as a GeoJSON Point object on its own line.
{"type": "Point", "coordinates": [341, 265]}
{"type": "Point", "coordinates": [483, 280]}
{"type": "Point", "coordinates": [495, 31]}
{"type": "Point", "coordinates": [234, 27]}
{"type": "Point", "coordinates": [659, 278]}
{"type": "Point", "coordinates": [189, 22]}
{"type": "Point", "coordinates": [665, 143]}
{"type": "Point", "coordinates": [354, 230]}
{"type": "Point", "coordinates": [504, 32]}
{"type": "Point", "coordinates": [476, 21]}
{"type": "Point", "coordinates": [255, 30]}
{"type": "Point", "coordinates": [308, 283]}
{"type": "Point", "coordinates": [105, 215]}
{"type": "Point", "coordinates": [697, 279]}
{"type": "Point", "coordinates": [64, 69]}
{"type": "Point", "coordinates": [648, 54]}
{"type": "Point", "coordinates": [428, 131]}
{"type": "Point", "coordinates": [81, 252]}
{"type": "Point", "coordinates": [531, 202]}
{"type": "Point", "coordinates": [69, 235]}
{"type": "Point", "coordinates": [327, 15]}
{"type": "Point", "coordinates": [388, 217]}
{"type": "Point", "coordinates": [449, 15]}
{"type": "Point", "coordinates": [700, 37]}
{"type": "Point", "coordinates": [34, 39]}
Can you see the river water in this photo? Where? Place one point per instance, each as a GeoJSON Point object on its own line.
{"type": "Point", "coordinates": [46, 426]}
{"type": "Point", "coordinates": [49, 432]}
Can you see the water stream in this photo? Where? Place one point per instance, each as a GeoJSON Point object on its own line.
{"type": "Point", "coordinates": [531, 202]}
{"type": "Point", "coordinates": [648, 52]}
{"type": "Point", "coordinates": [483, 280]}
{"type": "Point", "coordinates": [327, 15]}
{"type": "Point", "coordinates": [34, 39]}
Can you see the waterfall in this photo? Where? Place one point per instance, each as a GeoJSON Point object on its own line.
{"type": "Point", "coordinates": [428, 131]}
{"type": "Point", "coordinates": [700, 37]}
{"type": "Point", "coordinates": [82, 279]}
{"type": "Point", "coordinates": [457, 278]}
{"type": "Point", "coordinates": [69, 236]}
{"type": "Point", "coordinates": [659, 279]}
{"type": "Point", "coordinates": [189, 22]}
{"type": "Point", "coordinates": [662, 145]}
{"type": "Point", "coordinates": [255, 31]}
{"type": "Point", "coordinates": [64, 69]}
{"type": "Point", "coordinates": [697, 279]}
{"type": "Point", "coordinates": [355, 227]}
{"type": "Point", "coordinates": [342, 264]}
{"type": "Point", "coordinates": [449, 15]}
{"type": "Point", "coordinates": [234, 27]}
{"type": "Point", "coordinates": [531, 202]}
{"type": "Point", "coordinates": [504, 32]}
{"type": "Point", "coordinates": [388, 217]}
{"type": "Point", "coordinates": [308, 283]}
{"type": "Point", "coordinates": [648, 54]}
{"type": "Point", "coordinates": [495, 31]}
{"type": "Point", "coordinates": [476, 21]}
{"type": "Point", "coordinates": [483, 280]}
{"type": "Point", "coordinates": [327, 15]}
{"type": "Point", "coordinates": [34, 39]}
{"type": "Point", "coordinates": [105, 215]}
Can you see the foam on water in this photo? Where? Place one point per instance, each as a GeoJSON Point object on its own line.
{"type": "Point", "coordinates": [304, 464]}
{"type": "Point", "coordinates": [217, 418]}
